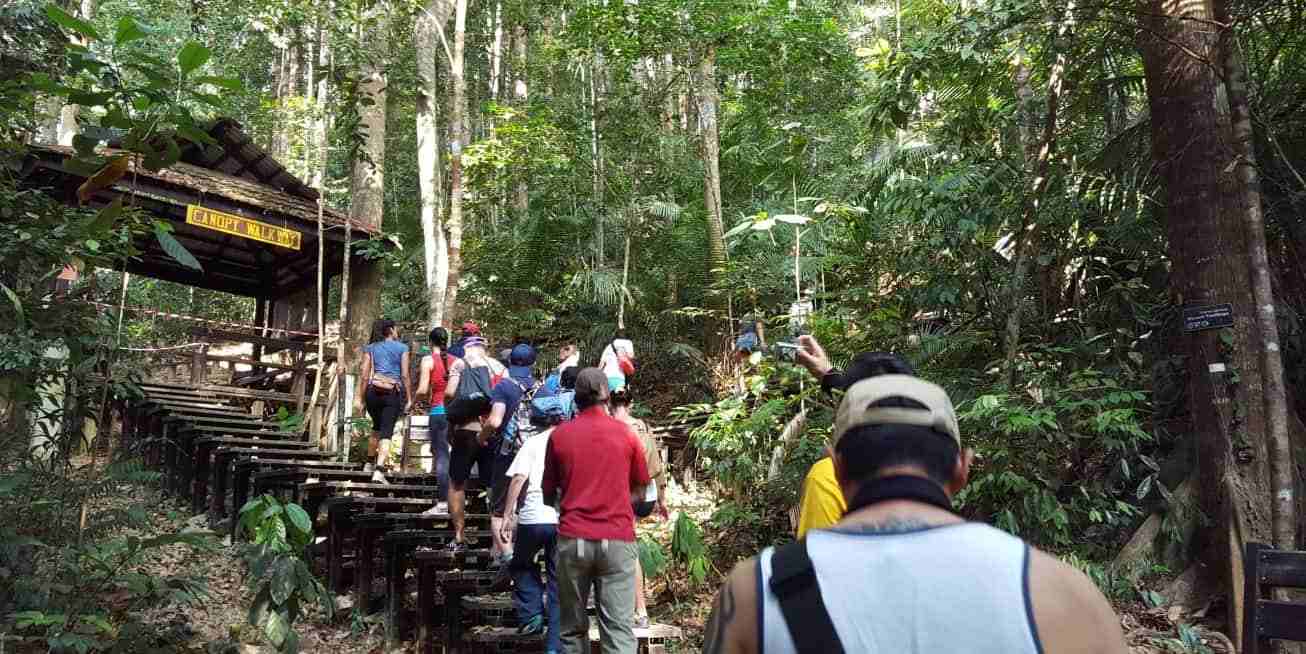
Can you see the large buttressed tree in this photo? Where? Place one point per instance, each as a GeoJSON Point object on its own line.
{"type": "Point", "coordinates": [1206, 211]}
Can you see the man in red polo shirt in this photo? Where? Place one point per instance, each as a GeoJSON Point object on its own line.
{"type": "Point", "coordinates": [591, 466]}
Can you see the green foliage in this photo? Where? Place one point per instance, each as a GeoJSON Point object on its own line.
{"type": "Point", "coordinates": [279, 577]}
{"type": "Point", "coordinates": [652, 558]}
{"type": "Point", "coordinates": [688, 548]}
{"type": "Point", "coordinates": [1085, 418]}
{"type": "Point", "coordinates": [82, 589]}
{"type": "Point", "coordinates": [287, 421]}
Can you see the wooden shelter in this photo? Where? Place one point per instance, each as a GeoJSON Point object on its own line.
{"type": "Point", "coordinates": [250, 223]}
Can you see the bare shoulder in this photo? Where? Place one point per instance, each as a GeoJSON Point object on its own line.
{"type": "Point", "coordinates": [732, 628]}
{"type": "Point", "coordinates": [1071, 614]}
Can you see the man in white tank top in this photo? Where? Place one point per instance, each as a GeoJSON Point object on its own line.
{"type": "Point", "coordinates": [902, 573]}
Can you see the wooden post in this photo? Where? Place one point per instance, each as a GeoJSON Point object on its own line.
{"type": "Point", "coordinates": [298, 381]}
{"type": "Point", "coordinates": [260, 318]}
{"type": "Point", "coordinates": [199, 366]}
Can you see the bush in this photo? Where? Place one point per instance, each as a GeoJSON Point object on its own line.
{"type": "Point", "coordinates": [279, 576]}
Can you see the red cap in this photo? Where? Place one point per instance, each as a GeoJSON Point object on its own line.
{"type": "Point", "coordinates": [471, 329]}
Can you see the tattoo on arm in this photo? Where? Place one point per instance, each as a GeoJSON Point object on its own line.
{"type": "Point", "coordinates": [723, 613]}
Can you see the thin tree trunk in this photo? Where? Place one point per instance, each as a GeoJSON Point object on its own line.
{"type": "Point", "coordinates": [368, 183]}
{"type": "Point", "coordinates": [596, 160]}
{"type": "Point", "coordinates": [1193, 147]}
{"type": "Point", "coordinates": [1027, 236]}
{"type": "Point", "coordinates": [457, 141]}
{"type": "Point", "coordinates": [496, 51]}
{"type": "Point", "coordinates": [342, 350]}
{"type": "Point", "coordinates": [625, 280]}
{"type": "Point", "coordinates": [708, 104]}
{"type": "Point", "coordinates": [314, 423]}
{"type": "Point", "coordinates": [520, 97]}
{"type": "Point", "coordinates": [1281, 478]}
{"type": "Point", "coordinates": [320, 98]}
{"type": "Point", "coordinates": [430, 178]}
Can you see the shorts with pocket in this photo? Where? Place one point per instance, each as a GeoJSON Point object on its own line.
{"type": "Point", "coordinates": [464, 452]}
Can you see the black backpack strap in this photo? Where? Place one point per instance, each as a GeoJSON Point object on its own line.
{"type": "Point", "coordinates": [793, 580]}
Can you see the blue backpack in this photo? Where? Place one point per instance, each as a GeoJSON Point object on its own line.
{"type": "Point", "coordinates": [550, 409]}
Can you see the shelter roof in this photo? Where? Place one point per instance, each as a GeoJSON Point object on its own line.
{"type": "Point", "coordinates": [251, 223]}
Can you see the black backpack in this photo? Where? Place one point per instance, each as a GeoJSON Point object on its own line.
{"type": "Point", "coordinates": [472, 399]}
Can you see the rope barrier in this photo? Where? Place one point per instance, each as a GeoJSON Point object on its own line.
{"type": "Point", "coordinates": [160, 349]}
{"type": "Point", "coordinates": [220, 323]}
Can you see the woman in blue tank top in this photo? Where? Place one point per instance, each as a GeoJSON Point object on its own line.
{"type": "Point", "coordinates": [384, 385]}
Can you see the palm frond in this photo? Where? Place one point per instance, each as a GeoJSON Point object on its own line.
{"type": "Point", "coordinates": [602, 287]}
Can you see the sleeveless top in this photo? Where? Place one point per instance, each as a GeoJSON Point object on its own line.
{"type": "Point", "coordinates": [387, 358]}
{"type": "Point", "coordinates": [951, 588]}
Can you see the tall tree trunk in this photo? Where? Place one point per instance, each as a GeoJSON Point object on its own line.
{"type": "Point", "coordinates": [309, 137]}
{"type": "Point", "coordinates": [1279, 447]}
{"type": "Point", "coordinates": [48, 108]}
{"type": "Point", "coordinates": [321, 121]}
{"type": "Point", "coordinates": [426, 37]}
{"type": "Point", "coordinates": [367, 186]}
{"type": "Point", "coordinates": [457, 141]}
{"type": "Point", "coordinates": [68, 113]}
{"type": "Point", "coordinates": [718, 328]}
{"type": "Point", "coordinates": [520, 97]}
{"type": "Point", "coordinates": [1192, 145]}
{"type": "Point", "coordinates": [1027, 235]}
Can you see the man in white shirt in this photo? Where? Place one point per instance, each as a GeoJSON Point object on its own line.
{"type": "Point", "coordinates": [610, 362]}
{"type": "Point", "coordinates": [533, 526]}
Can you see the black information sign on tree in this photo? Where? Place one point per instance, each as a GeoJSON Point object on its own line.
{"type": "Point", "coordinates": [1207, 316]}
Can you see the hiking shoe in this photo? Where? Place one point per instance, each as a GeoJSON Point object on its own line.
{"type": "Point", "coordinates": [532, 627]}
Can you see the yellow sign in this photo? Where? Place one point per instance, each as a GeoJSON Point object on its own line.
{"type": "Point", "coordinates": [243, 227]}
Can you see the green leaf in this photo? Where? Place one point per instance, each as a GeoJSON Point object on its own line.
{"type": "Point", "coordinates": [175, 249]}
{"type": "Point", "coordinates": [259, 607]}
{"type": "Point", "coordinates": [283, 579]}
{"type": "Point", "coordinates": [291, 645]}
{"type": "Point", "coordinates": [196, 135]}
{"type": "Point", "coordinates": [18, 304]}
{"type": "Point", "coordinates": [228, 83]}
{"type": "Point", "coordinates": [276, 629]}
{"type": "Point", "coordinates": [84, 145]}
{"type": "Point", "coordinates": [127, 31]}
{"type": "Point", "coordinates": [299, 519]}
{"type": "Point", "coordinates": [1145, 487]}
{"type": "Point", "coordinates": [192, 56]}
{"type": "Point", "coordinates": [106, 217]}
{"type": "Point", "coordinates": [69, 21]}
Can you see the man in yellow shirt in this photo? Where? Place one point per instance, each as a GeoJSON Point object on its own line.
{"type": "Point", "coordinates": [822, 503]}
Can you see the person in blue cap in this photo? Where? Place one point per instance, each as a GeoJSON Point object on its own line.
{"type": "Point", "coordinates": [504, 431]}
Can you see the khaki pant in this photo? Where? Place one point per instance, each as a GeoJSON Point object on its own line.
{"type": "Point", "coordinates": [609, 567]}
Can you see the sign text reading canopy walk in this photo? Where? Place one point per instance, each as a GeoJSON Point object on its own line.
{"type": "Point", "coordinates": [243, 227]}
